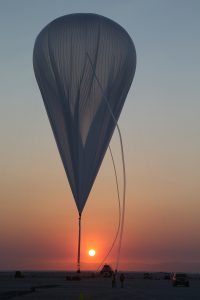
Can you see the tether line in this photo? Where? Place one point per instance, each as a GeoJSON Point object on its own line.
{"type": "Point", "coordinates": [123, 164]}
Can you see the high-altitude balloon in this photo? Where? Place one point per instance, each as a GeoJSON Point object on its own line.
{"type": "Point", "coordinates": [84, 65]}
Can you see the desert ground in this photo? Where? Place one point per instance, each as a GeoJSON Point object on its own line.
{"type": "Point", "coordinates": [55, 287]}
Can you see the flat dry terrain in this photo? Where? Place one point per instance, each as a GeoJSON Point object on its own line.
{"type": "Point", "coordinates": [54, 288]}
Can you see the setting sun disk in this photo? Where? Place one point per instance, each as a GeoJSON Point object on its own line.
{"type": "Point", "coordinates": [91, 252]}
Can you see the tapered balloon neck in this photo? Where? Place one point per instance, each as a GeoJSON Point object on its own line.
{"type": "Point", "coordinates": [79, 244]}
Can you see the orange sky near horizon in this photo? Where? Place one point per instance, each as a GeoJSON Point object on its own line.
{"type": "Point", "coordinates": [45, 236]}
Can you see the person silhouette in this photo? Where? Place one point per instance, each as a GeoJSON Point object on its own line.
{"type": "Point", "coordinates": [113, 280]}
{"type": "Point", "coordinates": [122, 277]}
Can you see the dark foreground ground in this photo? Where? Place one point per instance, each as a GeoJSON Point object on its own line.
{"type": "Point", "coordinates": [58, 288]}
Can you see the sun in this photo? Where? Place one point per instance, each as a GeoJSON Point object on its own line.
{"type": "Point", "coordinates": [91, 252]}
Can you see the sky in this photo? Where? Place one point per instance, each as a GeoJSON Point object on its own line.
{"type": "Point", "coordinates": [160, 126]}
